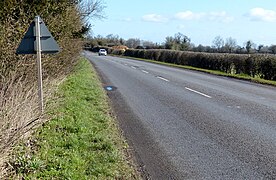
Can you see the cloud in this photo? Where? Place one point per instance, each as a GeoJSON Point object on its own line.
{"type": "Point", "coordinates": [211, 16]}
{"type": "Point", "coordinates": [260, 14]}
{"type": "Point", "coordinates": [188, 15]}
{"type": "Point", "coordinates": [154, 18]}
{"type": "Point", "coordinates": [220, 16]}
{"type": "Point", "coordinates": [127, 19]}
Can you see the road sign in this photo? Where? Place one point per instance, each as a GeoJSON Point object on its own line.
{"type": "Point", "coordinates": [38, 40]}
{"type": "Point", "coordinates": [28, 43]}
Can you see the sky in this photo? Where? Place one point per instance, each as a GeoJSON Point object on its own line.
{"type": "Point", "coordinates": [200, 20]}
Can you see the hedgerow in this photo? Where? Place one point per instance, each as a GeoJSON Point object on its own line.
{"type": "Point", "coordinates": [261, 65]}
{"type": "Point", "coordinates": [18, 76]}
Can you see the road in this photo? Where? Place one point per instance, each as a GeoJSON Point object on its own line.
{"type": "Point", "coordinates": [184, 124]}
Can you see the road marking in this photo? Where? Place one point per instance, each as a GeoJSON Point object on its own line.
{"type": "Point", "coordinates": [145, 71]}
{"type": "Point", "coordinates": [133, 67]}
{"type": "Point", "coordinates": [125, 64]}
{"type": "Point", "coordinates": [162, 78]}
{"type": "Point", "coordinates": [202, 94]}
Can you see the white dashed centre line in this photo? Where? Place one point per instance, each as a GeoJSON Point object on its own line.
{"type": "Point", "coordinates": [133, 67]}
{"type": "Point", "coordinates": [145, 71]}
{"type": "Point", "coordinates": [202, 94]}
{"type": "Point", "coordinates": [162, 78]}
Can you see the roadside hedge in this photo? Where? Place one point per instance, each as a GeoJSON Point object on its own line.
{"type": "Point", "coordinates": [19, 111]}
{"type": "Point", "coordinates": [260, 65]}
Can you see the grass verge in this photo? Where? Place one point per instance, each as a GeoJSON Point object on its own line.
{"type": "Point", "coordinates": [81, 140]}
{"type": "Point", "coordinates": [219, 73]}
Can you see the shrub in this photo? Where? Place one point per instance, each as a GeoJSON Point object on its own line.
{"type": "Point", "coordinates": [18, 99]}
{"type": "Point", "coordinates": [252, 65]}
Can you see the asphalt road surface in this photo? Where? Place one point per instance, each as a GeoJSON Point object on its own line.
{"type": "Point", "coordinates": [189, 125]}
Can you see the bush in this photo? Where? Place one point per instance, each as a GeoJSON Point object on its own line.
{"type": "Point", "coordinates": [18, 76]}
{"type": "Point", "coordinates": [252, 65]}
{"type": "Point", "coordinates": [116, 51]}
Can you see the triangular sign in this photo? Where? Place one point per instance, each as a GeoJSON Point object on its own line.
{"type": "Point", "coordinates": [28, 43]}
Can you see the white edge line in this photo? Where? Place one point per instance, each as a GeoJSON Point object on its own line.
{"type": "Point", "coordinates": [202, 94]}
{"type": "Point", "coordinates": [145, 71]}
{"type": "Point", "coordinates": [162, 78]}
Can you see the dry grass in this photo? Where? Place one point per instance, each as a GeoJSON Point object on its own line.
{"type": "Point", "coordinates": [18, 110]}
{"type": "Point", "coordinates": [19, 113]}
{"type": "Point", "coordinates": [80, 141]}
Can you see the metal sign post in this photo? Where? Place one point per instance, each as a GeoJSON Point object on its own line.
{"type": "Point", "coordinates": [38, 40]}
{"type": "Point", "coordinates": [39, 67]}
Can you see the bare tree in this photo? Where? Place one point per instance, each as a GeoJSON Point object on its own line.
{"type": "Point", "coordinates": [230, 44]}
{"type": "Point", "coordinates": [88, 9]}
{"type": "Point", "coordinates": [91, 9]}
{"type": "Point", "coordinates": [133, 42]}
{"type": "Point", "coordinates": [149, 44]}
{"type": "Point", "coordinates": [272, 48]}
{"type": "Point", "coordinates": [113, 40]}
{"type": "Point", "coordinates": [218, 42]}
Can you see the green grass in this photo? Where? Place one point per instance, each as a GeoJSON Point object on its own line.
{"type": "Point", "coordinates": [219, 73]}
{"type": "Point", "coordinates": [81, 141]}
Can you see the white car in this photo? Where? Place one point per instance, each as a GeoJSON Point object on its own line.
{"type": "Point", "coordinates": [102, 52]}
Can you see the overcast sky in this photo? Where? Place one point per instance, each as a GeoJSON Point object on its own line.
{"type": "Point", "coordinates": [200, 20]}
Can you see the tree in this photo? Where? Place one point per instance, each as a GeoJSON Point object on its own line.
{"type": "Point", "coordinates": [181, 42]}
{"type": "Point", "coordinates": [218, 43]}
{"type": "Point", "coordinates": [265, 49]}
{"type": "Point", "coordinates": [169, 42]}
{"type": "Point", "coordinates": [100, 40]}
{"type": "Point", "coordinates": [122, 41]}
{"type": "Point", "coordinates": [230, 44]}
{"type": "Point", "coordinates": [249, 46]}
{"type": "Point", "coordinates": [272, 48]}
{"type": "Point", "coordinates": [112, 40]}
{"type": "Point", "coordinates": [149, 44]}
{"type": "Point", "coordinates": [133, 42]}
{"type": "Point", "coordinates": [90, 8]}
{"type": "Point", "coordinates": [260, 47]}
{"type": "Point", "coordinates": [199, 48]}
{"type": "Point", "coordinates": [210, 49]}
{"type": "Point", "coordinates": [240, 50]}
{"type": "Point", "coordinates": [178, 42]}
